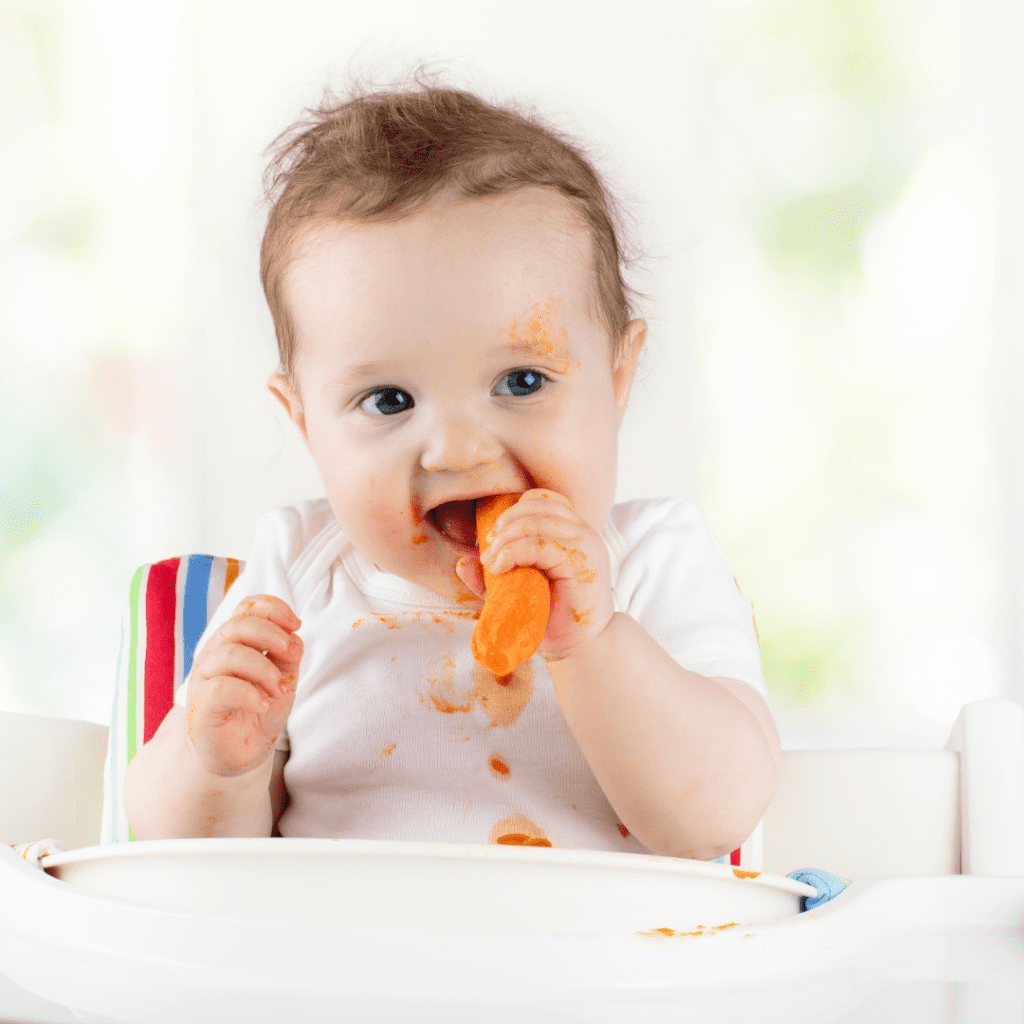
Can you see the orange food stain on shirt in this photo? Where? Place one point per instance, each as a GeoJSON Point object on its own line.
{"type": "Point", "coordinates": [399, 619]}
{"type": "Point", "coordinates": [448, 707]}
{"type": "Point", "coordinates": [503, 699]}
{"type": "Point", "coordinates": [518, 830]}
{"type": "Point", "coordinates": [739, 873]}
{"type": "Point", "coordinates": [622, 828]}
{"type": "Point", "coordinates": [442, 690]}
{"type": "Point", "coordinates": [498, 767]}
{"type": "Point", "coordinates": [387, 750]}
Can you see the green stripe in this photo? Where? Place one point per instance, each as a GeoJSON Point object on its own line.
{"type": "Point", "coordinates": [130, 701]}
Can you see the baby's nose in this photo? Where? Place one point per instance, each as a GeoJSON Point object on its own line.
{"type": "Point", "coordinates": [459, 444]}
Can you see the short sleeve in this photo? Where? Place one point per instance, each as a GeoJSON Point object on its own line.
{"type": "Point", "coordinates": [675, 581]}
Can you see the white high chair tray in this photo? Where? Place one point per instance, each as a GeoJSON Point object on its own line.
{"type": "Point", "coordinates": [118, 958]}
{"type": "Point", "coordinates": [382, 884]}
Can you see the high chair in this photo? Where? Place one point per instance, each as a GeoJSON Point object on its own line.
{"type": "Point", "coordinates": [930, 928]}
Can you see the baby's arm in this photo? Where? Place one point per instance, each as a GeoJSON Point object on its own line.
{"type": "Point", "coordinates": [169, 795]}
{"type": "Point", "coordinates": [211, 768]}
{"type": "Point", "coordinates": [689, 763]}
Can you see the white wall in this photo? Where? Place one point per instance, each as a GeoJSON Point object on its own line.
{"type": "Point", "coordinates": [635, 91]}
{"type": "Point", "coordinates": [154, 117]}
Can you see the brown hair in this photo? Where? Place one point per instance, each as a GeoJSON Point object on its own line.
{"type": "Point", "coordinates": [381, 156]}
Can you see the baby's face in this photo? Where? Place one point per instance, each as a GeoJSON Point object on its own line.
{"type": "Point", "coordinates": [449, 356]}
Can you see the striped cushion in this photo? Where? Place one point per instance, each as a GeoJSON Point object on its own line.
{"type": "Point", "coordinates": [169, 605]}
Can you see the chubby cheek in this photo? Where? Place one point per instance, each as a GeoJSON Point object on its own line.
{"type": "Point", "coordinates": [369, 510]}
{"type": "Point", "coordinates": [387, 522]}
{"type": "Point", "coordinates": [582, 466]}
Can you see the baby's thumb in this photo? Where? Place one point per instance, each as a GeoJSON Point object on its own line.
{"type": "Point", "coordinates": [471, 572]}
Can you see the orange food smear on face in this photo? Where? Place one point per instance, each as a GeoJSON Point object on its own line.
{"type": "Point", "coordinates": [622, 828]}
{"type": "Point", "coordinates": [538, 331]}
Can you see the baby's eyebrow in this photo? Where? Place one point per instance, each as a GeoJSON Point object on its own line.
{"type": "Point", "coordinates": [352, 376]}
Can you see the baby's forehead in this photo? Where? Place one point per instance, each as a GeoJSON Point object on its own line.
{"type": "Point", "coordinates": [530, 223]}
{"type": "Point", "coordinates": [499, 259]}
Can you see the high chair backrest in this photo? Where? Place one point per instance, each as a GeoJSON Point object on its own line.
{"type": "Point", "coordinates": [169, 604]}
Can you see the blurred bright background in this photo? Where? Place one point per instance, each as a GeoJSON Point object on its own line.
{"type": "Point", "coordinates": [826, 199]}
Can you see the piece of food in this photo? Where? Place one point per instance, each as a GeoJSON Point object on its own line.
{"type": "Point", "coordinates": [516, 607]}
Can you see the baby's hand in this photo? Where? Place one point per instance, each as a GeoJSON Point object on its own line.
{"type": "Point", "coordinates": [542, 529]}
{"type": "Point", "coordinates": [239, 697]}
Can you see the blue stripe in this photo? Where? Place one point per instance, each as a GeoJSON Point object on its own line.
{"type": "Point", "coordinates": [194, 607]}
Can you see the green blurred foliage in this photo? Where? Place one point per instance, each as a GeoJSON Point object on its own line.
{"type": "Point", "coordinates": [810, 243]}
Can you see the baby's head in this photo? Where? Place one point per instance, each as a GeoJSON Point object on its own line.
{"type": "Point", "coordinates": [444, 278]}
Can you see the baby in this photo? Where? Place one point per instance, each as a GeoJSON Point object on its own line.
{"type": "Point", "coordinates": [444, 280]}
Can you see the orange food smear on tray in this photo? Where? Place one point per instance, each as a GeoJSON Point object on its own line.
{"type": "Point", "coordinates": [515, 613]}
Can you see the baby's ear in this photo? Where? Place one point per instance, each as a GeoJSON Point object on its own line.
{"type": "Point", "coordinates": [625, 368]}
{"type": "Point", "coordinates": [281, 388]}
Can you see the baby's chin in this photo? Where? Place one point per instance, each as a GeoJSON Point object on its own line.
{"type": "Point", "coordinates": [441, 581]}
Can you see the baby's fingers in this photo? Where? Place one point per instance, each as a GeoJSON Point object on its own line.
{"type": "Point", "coordinates": [269, 607]}
{"type": "Point", "coordinates": [287, 664]}
{"type": "Point", "coordinates": [242, 662]}
{"type": "Point", "coordinates": [224, 695]}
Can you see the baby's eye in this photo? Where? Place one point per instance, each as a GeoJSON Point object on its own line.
{"type": "Point", "coordinates": [527, 381]}
{"type": "Point", "coordinates": [387, 401]}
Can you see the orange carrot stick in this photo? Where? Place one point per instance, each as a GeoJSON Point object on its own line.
{"type": "Point", "coordinates": [516, 607]}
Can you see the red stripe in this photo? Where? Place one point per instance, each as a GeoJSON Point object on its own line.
{"type": "Point", "coordinates": [734, 857]}
{"type": "Point", "coordinates": [161, 602]}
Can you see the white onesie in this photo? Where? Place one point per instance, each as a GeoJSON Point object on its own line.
{"type": "Point", "coordinates": [397, 733]}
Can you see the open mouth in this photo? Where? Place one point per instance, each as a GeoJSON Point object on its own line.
{"type": "Point", "coordinates": [456, 520]}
